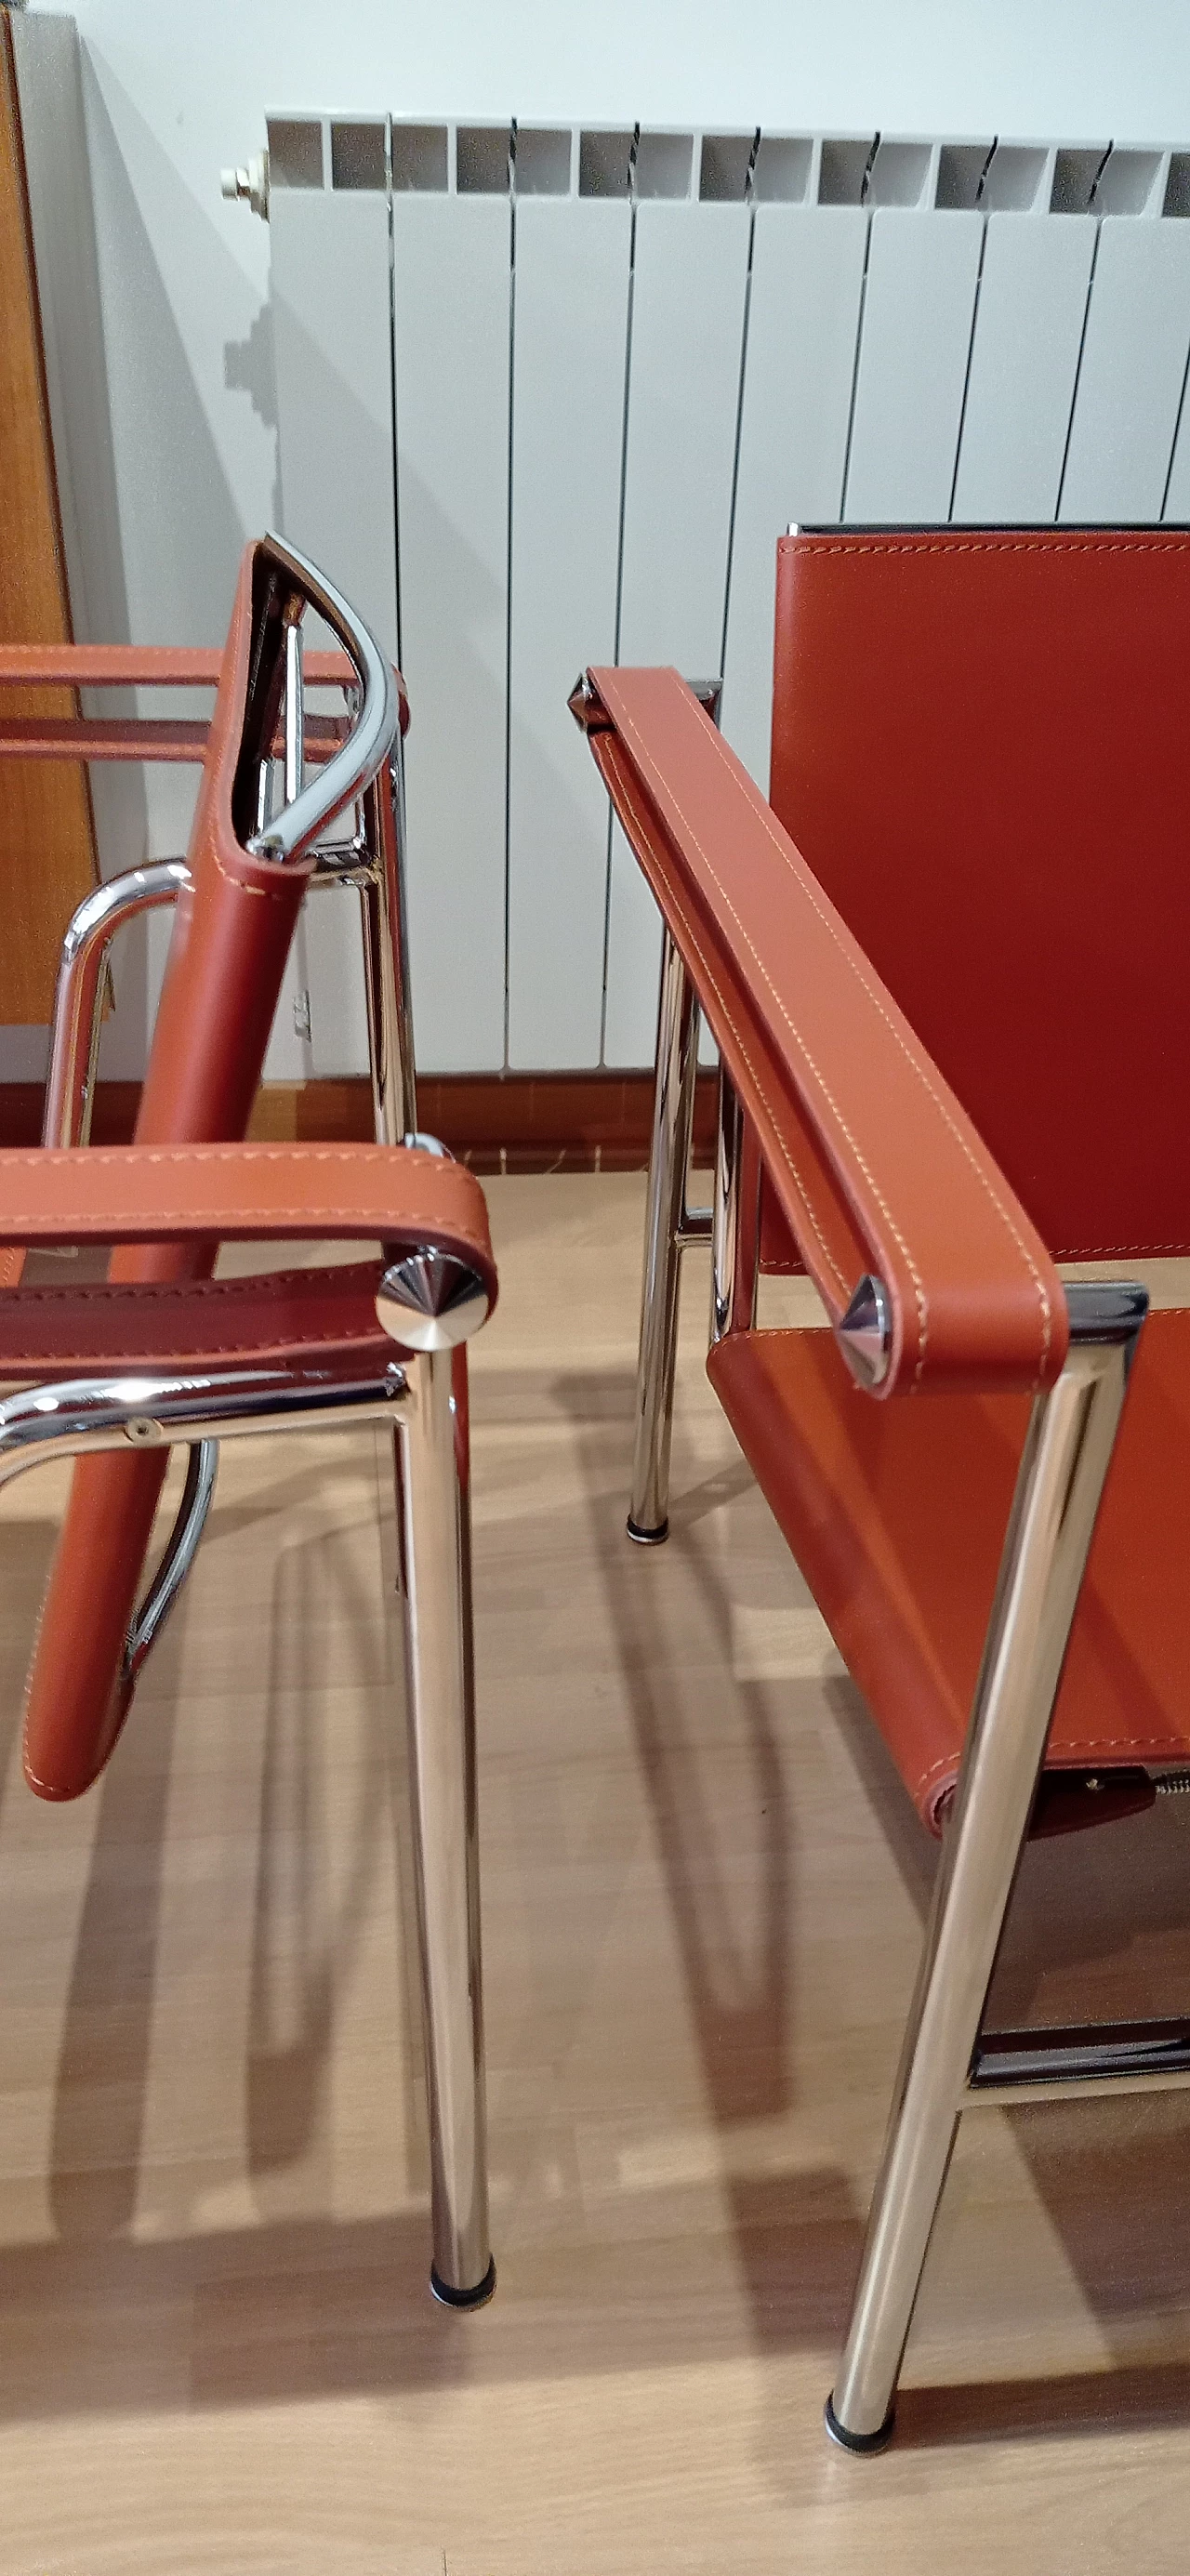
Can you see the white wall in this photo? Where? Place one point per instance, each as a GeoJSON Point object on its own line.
{"type": "Point", "coordinates": [174, 91]}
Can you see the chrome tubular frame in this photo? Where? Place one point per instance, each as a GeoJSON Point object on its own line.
{"type": "Point", "coordinates": [295, 713]}
{"type": "Point", "coordinates": [435, 1505]}
{"type": "Point", "coordinates": [669, 1226]}
{"type": "Point", "coordinates": [69, 1104]}
{"type": "Point", "coordinates": [431, 1303]}
{"type": "Point", "coordinates": [384, 921]}
{"type": "Point", "coordinates": [198, 1493]}
{"type": "Point", "coordinates": [159, 1407]}
{"type": "Point", "coordinates": [75, 1025]}
{"type": "Point", "coordinates": [375, 863]}
{"type": "Point", "coordinates": [1067, 1454]}
{"type": "Point", "coordinates": [735, 1222]}
{"type": "Point", "coordinates": [309, 811]}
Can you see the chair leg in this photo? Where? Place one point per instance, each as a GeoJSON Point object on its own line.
{"type": "Point", "coordinates": [673, 1120]}
{"type": "Point", "coordinates": [384, 928]}
{"type": "Point", "coordinates": [434, 1502]}
{"type": "Point", "coordinates": [1045, 1551]}
{"type": "Point", "coordinates": [735, 1220]}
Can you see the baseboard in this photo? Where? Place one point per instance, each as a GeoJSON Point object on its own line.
{"type": "Point", "coordinates": [515, 1122]}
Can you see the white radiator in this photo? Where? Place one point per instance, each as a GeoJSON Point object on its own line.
{"type": "Point", "coordinates": [549, 398]}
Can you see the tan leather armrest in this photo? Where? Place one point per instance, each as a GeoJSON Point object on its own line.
{"type": "Point", "coordinates": [173, 666]}
{"type": "Point", "coordinates": [874, 1161]}
{"type": "Point", "coordinates": [245, 1194]}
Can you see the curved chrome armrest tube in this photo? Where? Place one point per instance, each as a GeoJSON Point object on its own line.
{"type": "Point", "coordinates": [154, 1408]}
{"type": "Point", "coordinates": [74, 1029]}
{"type": "Point", "coordinates": [353, 767]}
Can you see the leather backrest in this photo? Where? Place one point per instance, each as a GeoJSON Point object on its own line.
{"type": "Point", "coordinates": [981, 745]}
{"type": "Point", "coordinates": [231, 940]}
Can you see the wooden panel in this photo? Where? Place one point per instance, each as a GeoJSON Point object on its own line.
{"type": "Point", "coordinates": [62, 221]}
{"type": "Point", "coordinates": [47, 855]}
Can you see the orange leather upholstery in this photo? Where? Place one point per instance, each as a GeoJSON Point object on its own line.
{"type": "Point", "coordinates": [205, 1194]}
{"type": "Point", "coordinates": [979, 752]}
{"type": "Point", "coordinates": [108, 666]}
{"type": "Point", "coordinates": [979, 746]}
{"type": "Point", "coordinates": [231, 939]}
{"type": "Point", "coordinates": [896, 1515]}
{"type": "Point", "coordinates": [874, 1163]}
{"type": "Point", "coordinates": [233, 1193]}
{"type": "Point", "coordinates": [188, 1198]}
{"type": "Point", "coordinates": [317, 1314]}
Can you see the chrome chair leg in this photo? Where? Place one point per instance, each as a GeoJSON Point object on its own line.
{"type": "Point", "coordinates": [735, 1221]}
{"type": "Point", "coordinates": [1066, 1457]}
{"type": "Point", "coordinates": [673, 1122]}
{"type": "Point", "coordinates": [385, 925]}
{"type": "Point", "coordinates": [181, 1547]}
{"type": "Point", "coordinates": [75, 1026]}
{"type": "Point", "coordinates": [433, 1499]}
{"type": "Point", "coordinates": [429, 1301]}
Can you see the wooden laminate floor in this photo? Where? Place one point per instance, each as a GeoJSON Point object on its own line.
{"type": "Point", "coordinates": [703, 1894]}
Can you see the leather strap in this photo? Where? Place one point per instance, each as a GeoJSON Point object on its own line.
{"type": "Point", "coordinates": [180, 738]}
{"type": "Point", "coordinates": [128, 666]}
{"type": "Point", "coordinates": [321, 1313]}
{"type": "Point", "coordinates": [165, 1211]}
{"type": "Point", "coordinates": [205, 1194]}
{"type": "Point", "coordinates": [874, 1162]}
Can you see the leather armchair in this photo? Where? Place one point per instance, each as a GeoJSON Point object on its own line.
{"type": "Point", "coordinates": [163, 1352]}
{"type": "Point", "coordinates": [943, 970]}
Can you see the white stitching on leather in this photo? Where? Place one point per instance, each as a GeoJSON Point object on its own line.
{"type": "Point", "coordinates": [253, 1284]}
{"type": "Point", "coordinates": [1072, 1752]}
{"type": "Point", "coordinates": [364, 1218]}
{"type": "Point", "coordinates": [642, 822]}
{"type": "Point", "coordinates": [185, 1301]}
{"type": "Point", "coordinates": [761, 814]}
{"type": "Point", "coordinates": [1064, 544]}
{"type": "Point", "coordinates": [923, 1319]}
{"type": "Point", "coordinates": [1123, 1251]}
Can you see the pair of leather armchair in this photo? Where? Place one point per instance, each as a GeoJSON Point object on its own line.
{"type": "Point", "coordinates": [943, 975]}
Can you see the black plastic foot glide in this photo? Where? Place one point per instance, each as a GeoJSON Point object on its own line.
{"type": "Point", "coordinates": [858, 2442]}
{"type": "Point", "coordinates": [647, 1538]}
{"type": "Point", "coordinates": [476, 2298]}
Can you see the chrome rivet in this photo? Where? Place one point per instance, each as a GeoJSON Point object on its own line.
{"type": "Point", "coordinates": [431, 1300]}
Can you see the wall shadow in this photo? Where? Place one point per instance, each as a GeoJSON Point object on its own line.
{"type": "Point", "coordinates": [306, 1931]}
{"type": "Point", "coordinates": [737, 1981]}
{"type": "Point", "coordinates": [1099, 1929]}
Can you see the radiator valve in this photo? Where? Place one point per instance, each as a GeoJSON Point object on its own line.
{"type": "Point", "coordinates": [249, 185]}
